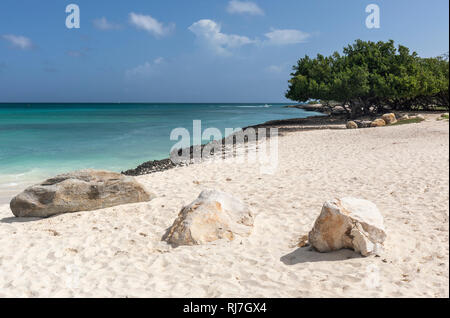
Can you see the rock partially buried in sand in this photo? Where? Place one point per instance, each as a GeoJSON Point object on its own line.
{"type": "Point", "coordinates": [348, 223]}
{"type": "Point", "coordinates": [378, 123]}
{"type": "Point", "coordinates": [421, 117]}
{"type": "Point", "coordinates": [351, 125]}
{"type": "Point", "coordinates": [389, 118]}
{"type": "Point", "coordinates": [83, 190]}
{"type": "Point", "coordinates": [212, 216]}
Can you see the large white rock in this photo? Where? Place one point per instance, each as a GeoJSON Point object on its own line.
{"type": "Point", "coordinates": [212, 216]}
{"type": "Point", "coordinates": [348, 223]}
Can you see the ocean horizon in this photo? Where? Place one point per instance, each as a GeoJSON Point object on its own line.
{"type": "Point", "coordinates": [39, 140]}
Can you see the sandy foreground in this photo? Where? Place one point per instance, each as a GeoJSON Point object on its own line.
{"type": "Point", "coordinates": [117, 252]}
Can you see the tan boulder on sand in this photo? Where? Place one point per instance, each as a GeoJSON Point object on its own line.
{"type": "Point", "coordinates": [378, 123]}
{"type": "Point", "coordinates": [389, 118]}
{"type": "Point", "coordinates": [352, 125]}
{"type": "Point", "coordinates": [212, 216]}
{"type": "Point", "coordinates": [348, 223]}
{"type": "Point", "coordinates": [83, 190]}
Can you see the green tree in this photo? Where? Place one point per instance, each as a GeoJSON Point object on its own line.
{"type": "Point", "coordinates": [371, 76]}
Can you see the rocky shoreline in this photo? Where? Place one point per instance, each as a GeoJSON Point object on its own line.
{"type": "Point", "coordinates": [284, 125]}
{"type": "Point", "coordinates": [335, 119]}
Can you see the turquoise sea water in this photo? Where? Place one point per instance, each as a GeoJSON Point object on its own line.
{"type": "Point", "coordinates": [41, 140]}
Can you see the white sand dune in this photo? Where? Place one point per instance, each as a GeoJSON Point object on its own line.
{"type": "Point", "coordinates": [118, 252]}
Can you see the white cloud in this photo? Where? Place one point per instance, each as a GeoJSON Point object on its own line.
{"type": "Point", "coordinates": [279, 69]}
{"type": "Point", "coordinates": [275, 68]}
{"type": "Point", "coordinates": [288, 36]}
{"type": "Point", "coordinates": [149, 24]}
{"type": "Point", "coordinates": [210, 33]}
{"type": "Point", "coordinates": [243, 7]}
{"type": "Point", "coordinates": [159, 60]}
{"type": "Point", "coordinates": [104, 24]}
{"type": "Point", "coordinates": [18, 41]}
{"type": "Point", "coordinates": [145, 69]}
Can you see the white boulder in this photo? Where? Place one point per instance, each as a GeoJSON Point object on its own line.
{"type": "Point", "coordinates": [212, 216]}
{"type": "Point", "coordinates": [348, 223]}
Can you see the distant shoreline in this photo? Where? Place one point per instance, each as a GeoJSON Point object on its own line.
{"type": "Point", "coordinates": [133, 103]}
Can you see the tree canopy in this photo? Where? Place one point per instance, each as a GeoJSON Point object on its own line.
{"type": "Point", "coordinates": [372, 76]}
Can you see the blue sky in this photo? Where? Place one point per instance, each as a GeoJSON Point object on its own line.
{"type": "Point", "coordinates": [190, 50]}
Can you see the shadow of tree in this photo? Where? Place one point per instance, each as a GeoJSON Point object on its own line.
{"type": "Point", "coordinates": [309, 255]}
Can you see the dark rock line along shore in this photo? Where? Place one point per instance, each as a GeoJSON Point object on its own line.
{"type": "Point", "coordinates": [282, 125]}
{"type": "Point", "coordinates": [334, 115]}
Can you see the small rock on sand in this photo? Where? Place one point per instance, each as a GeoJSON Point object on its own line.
{"type": "Point", "coordinates": [351, 125]}
{"type": "Point", "coordinates": [389, 118]}
{"type": "Point", "coordinates": [378, 123]}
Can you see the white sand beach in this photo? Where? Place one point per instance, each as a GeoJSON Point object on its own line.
{"type": "Point", "coordinates": [118, 252]}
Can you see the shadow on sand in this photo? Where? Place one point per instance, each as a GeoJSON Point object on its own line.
{"type": "Point", "coordinates": [18, 220]}
{"type": "Point", "coordinates": [308, 255]}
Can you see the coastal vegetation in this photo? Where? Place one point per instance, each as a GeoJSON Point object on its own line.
{"type": "Point", "coordinates": [443, 117]}
{"type": "Point", "coordinates": [371, 77]}
{"type": "Point", "coordinates": [409, 121]}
